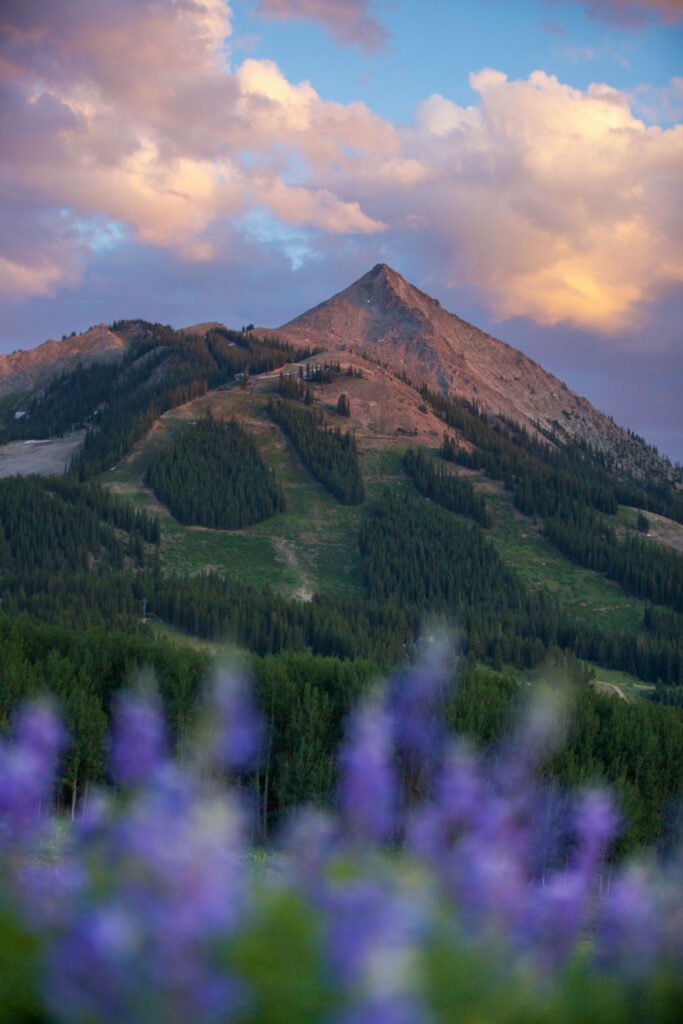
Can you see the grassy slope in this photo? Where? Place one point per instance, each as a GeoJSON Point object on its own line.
{"type": "Point", "coordinates": [585, 593]}
{"type": "Point", "coordinates": [313, 545]}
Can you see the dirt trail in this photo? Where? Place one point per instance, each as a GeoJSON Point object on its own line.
{"type": "Point", "coordinates": [283, 548]}
{"type": "Point", "coordinates": [601, 685]}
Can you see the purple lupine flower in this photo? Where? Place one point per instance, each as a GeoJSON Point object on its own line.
{"type": "Point", "coordinates": [138, 740]}
{"type": "Point", "coordinates": [458, 792]}
{"type": "Point", "coordinates": [169, 876]}
{"type": "Point", "coordinates": [47, 890]}
{"type": "Point", "coordinates": [367, 790]}
{"type": "Point", "coordinates": [93, 966]}
{"type": "Point", "coordinates": [596, 820]}
{"type": "Point", "coordinates": [629, 925]}
{"type": "Point", "coordinates": [416, 697]}
{"type": "Point", "coordinates": [374, 927]}
{"type": "Point", "coordinates": [487, 882]}
{"type": "Point", "coordinates": [541, 726]}
{"type": "Point", "coordinates": [310, 841]}
{"type": "Point", "coordinates": [28, 764]}
{"type": "Point", "coordinates": [239, 725]}
{"type": "Point", "coordinates": [553, 918]}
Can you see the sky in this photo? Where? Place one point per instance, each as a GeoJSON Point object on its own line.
{"type": "Point", "coordinates": [194, 160]}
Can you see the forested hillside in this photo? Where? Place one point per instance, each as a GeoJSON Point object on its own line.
{"type": "Point", "coordinates": [331, 456]}
{"type": "Point", "coordinates": [212, 475]}
{"type": "Point", "coordinates": [87, 574]}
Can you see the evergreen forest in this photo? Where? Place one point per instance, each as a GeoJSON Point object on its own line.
{"type": "Point", "coordinates": [331, 456]}
{"type": "Point", "coordinates": [212, 475]}
{"type": "Point", "coordinates": [88, 598]}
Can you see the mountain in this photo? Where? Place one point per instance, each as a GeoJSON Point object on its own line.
{"type": "Point", "coordinates": [23, 371]}
{"type": "Point", "coordinates": [384, 318]}
{"type": "Point", "coordinates": [359, 507]}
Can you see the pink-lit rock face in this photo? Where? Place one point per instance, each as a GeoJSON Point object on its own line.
{"type": "Point", "coordinates": [383, 317]}
{"type": "Point", "coordinates": [22, 371]}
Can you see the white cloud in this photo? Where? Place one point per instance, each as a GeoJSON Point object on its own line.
{"type": "Point", "coordinates": [557, 203]}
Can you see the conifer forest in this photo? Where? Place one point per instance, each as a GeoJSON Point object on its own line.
{"type": "Point", "coordinates": [194, 439]}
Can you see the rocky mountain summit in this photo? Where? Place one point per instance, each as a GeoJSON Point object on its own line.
{"type": "Point", "coordinates": [400, 336]}
{"type": "Point", "coordinates": [384, 318]}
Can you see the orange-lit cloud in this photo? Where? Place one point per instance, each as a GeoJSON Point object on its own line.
{"type": "Point", "coordinates": [347, 21]}
{"type": "Point", "coordinates": [130, 111]}
{"type": "Point", "coordinates": [558, 204]}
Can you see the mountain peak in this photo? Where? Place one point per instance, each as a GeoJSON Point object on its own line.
{"type": "Point", "coordinates": [384, 318]}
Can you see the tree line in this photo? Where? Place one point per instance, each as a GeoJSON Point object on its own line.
{"type": "Point", "coordinates": [305, 698]}
{"type": "Point", "coordinates": [212, 475]}
{"type": "Point", "coordinates": [50, 524]}
{"type": "Point", "coordinates": [455, 493]}
{"type": "Point", "coordinates": [571, 495]}
{"type": "Point", "coordinates": [330, 455]}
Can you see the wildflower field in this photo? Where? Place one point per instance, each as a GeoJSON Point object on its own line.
{"type": "Point", "coordinates": [444, 886]}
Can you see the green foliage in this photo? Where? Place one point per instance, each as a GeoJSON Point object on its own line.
{"type": "Point", "coordinates": [162, 369]}
{"type": "Point", "coordinates": [20, 998]}
{"type": "Point", "coordinates": [569, 489]}
{"type": "Point", "coordinates": [453, 492]}
{"type": "Point", "coordinates": [305, 700]}
{"type": "Point", "coordinates": [47, 523]}
{"type": "Point", "coordinates": [212, 475]}
{"type": "Point", "coordinates": [278, 956]}
{"type": "Point", "coordinates": [642, 523]}
{"type": "Point", "coordinates": [424, 558]}
{"type": "Point", "coordinates": [331, 456]}
{"type": "Point", "coordinates": [649, 570]}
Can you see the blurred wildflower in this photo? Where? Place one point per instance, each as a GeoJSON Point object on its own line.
{"type": "Point", "coordinates": [367, 791]}
{"type": "Point", "coordinates": [138, 740]}
{"type": "Point", "coordinates": [27, 770]}
{"type": "Point", "coordinates": [238, 724]}
{"type": "Point", "coordinates": [152, 911]}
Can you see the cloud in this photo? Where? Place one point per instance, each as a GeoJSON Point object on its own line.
{"type": "Point", "coordinates": [558, 203]}
{"type": "Point", "coordinates": [659, 103]}
{"type": "Point", "coordinates": [630, 13]}
{"type": "Point", "coordinates": [319, 208]}
{"type": "Point", "coordinates": [132, 113]}
{"type": "Point", "coordinates": [552, 27]}
{"type": "Point", "coordinates": [349, 22]}
{"type": "Point", "coordinates": [129, 122]}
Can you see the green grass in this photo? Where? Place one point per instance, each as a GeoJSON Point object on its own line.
{"type": "Point", "coordinates": [310, 547]}
{"type": "Point", "coordinates": [585, 593]}
{"type": "Point", "coordinates": [632, 687]}
{"type": "Point", "coordinates": [179, 636]}
{"type": "Point", "coordinates": [313, 546]}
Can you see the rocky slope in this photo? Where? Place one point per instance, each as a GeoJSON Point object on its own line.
{"type": "Point", "coordinates": [384, 318]}
{"type": "Point", "coordinates": [23, 371]}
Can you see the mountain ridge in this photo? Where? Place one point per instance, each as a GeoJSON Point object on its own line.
{"type": "Point", "coordinates": [384, 318]}
{"type": "Point", "coordinates": [24, 370]}
{"type": "Point", "coordinates": [438, 348]}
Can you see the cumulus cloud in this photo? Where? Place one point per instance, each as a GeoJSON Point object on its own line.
{"type": "Point", "coordinates": [558, 203]}
{"type": "Point", "coordinates": [659, 103]}
{"type": "Point", "coordinates": [131, 111]}
{"type": "Point", "coordinates": [347, 21]}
